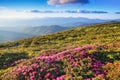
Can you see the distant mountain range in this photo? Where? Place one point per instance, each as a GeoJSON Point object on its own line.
{"type": "Point", "coordinates": [35, 27]}
{"type": "Point", "coordinates": [13, 33]}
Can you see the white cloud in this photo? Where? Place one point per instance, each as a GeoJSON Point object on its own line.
{"type": "Point", "coordinates": [27, 14]}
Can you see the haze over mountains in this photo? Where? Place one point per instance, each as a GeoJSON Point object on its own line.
{"type": "Point", "coordinates": [11, 35]}
{"type": "Point", "coordinates": [35, 27]}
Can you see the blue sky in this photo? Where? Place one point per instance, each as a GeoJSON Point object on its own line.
{"type": "Point", "coordinates": [101, 9]}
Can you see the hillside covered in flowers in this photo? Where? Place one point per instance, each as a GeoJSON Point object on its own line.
{"type": "Point", "coordinates": [85, 53]}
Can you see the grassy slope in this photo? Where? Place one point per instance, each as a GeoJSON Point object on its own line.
{"type": "Point", "coordinates": [108, 33]}
{"type": "Point", "coordinates": [102, 34]}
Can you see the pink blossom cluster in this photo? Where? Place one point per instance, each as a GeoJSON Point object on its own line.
{"type": "Point", "coordinates": [74, 62]}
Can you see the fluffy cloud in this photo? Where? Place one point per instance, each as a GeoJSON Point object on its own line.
{"type": "Point", "coordinates": [61, 2]}
{"type": "Point", "coordinates": [30, 14]}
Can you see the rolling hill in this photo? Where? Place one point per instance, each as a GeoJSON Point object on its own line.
{"type": "Point", "coordinates": [84, 53]}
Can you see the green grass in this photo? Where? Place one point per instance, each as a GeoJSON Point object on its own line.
{"type": "Point", "coordinates": [100, 34]}
{"type": "Point", "coordinates": [108, 33]}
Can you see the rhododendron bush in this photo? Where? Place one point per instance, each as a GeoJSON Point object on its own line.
{"type": "Point", "coordinates": [86, 63]}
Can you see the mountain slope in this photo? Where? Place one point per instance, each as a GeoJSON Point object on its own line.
{"type": "Point", "coordinates": [100, 33]}
{"type": "Point", "coordinates": [85, 53]}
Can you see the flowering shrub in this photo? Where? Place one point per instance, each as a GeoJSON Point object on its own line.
{"type": "Point", "coordinates": [78, 63]}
